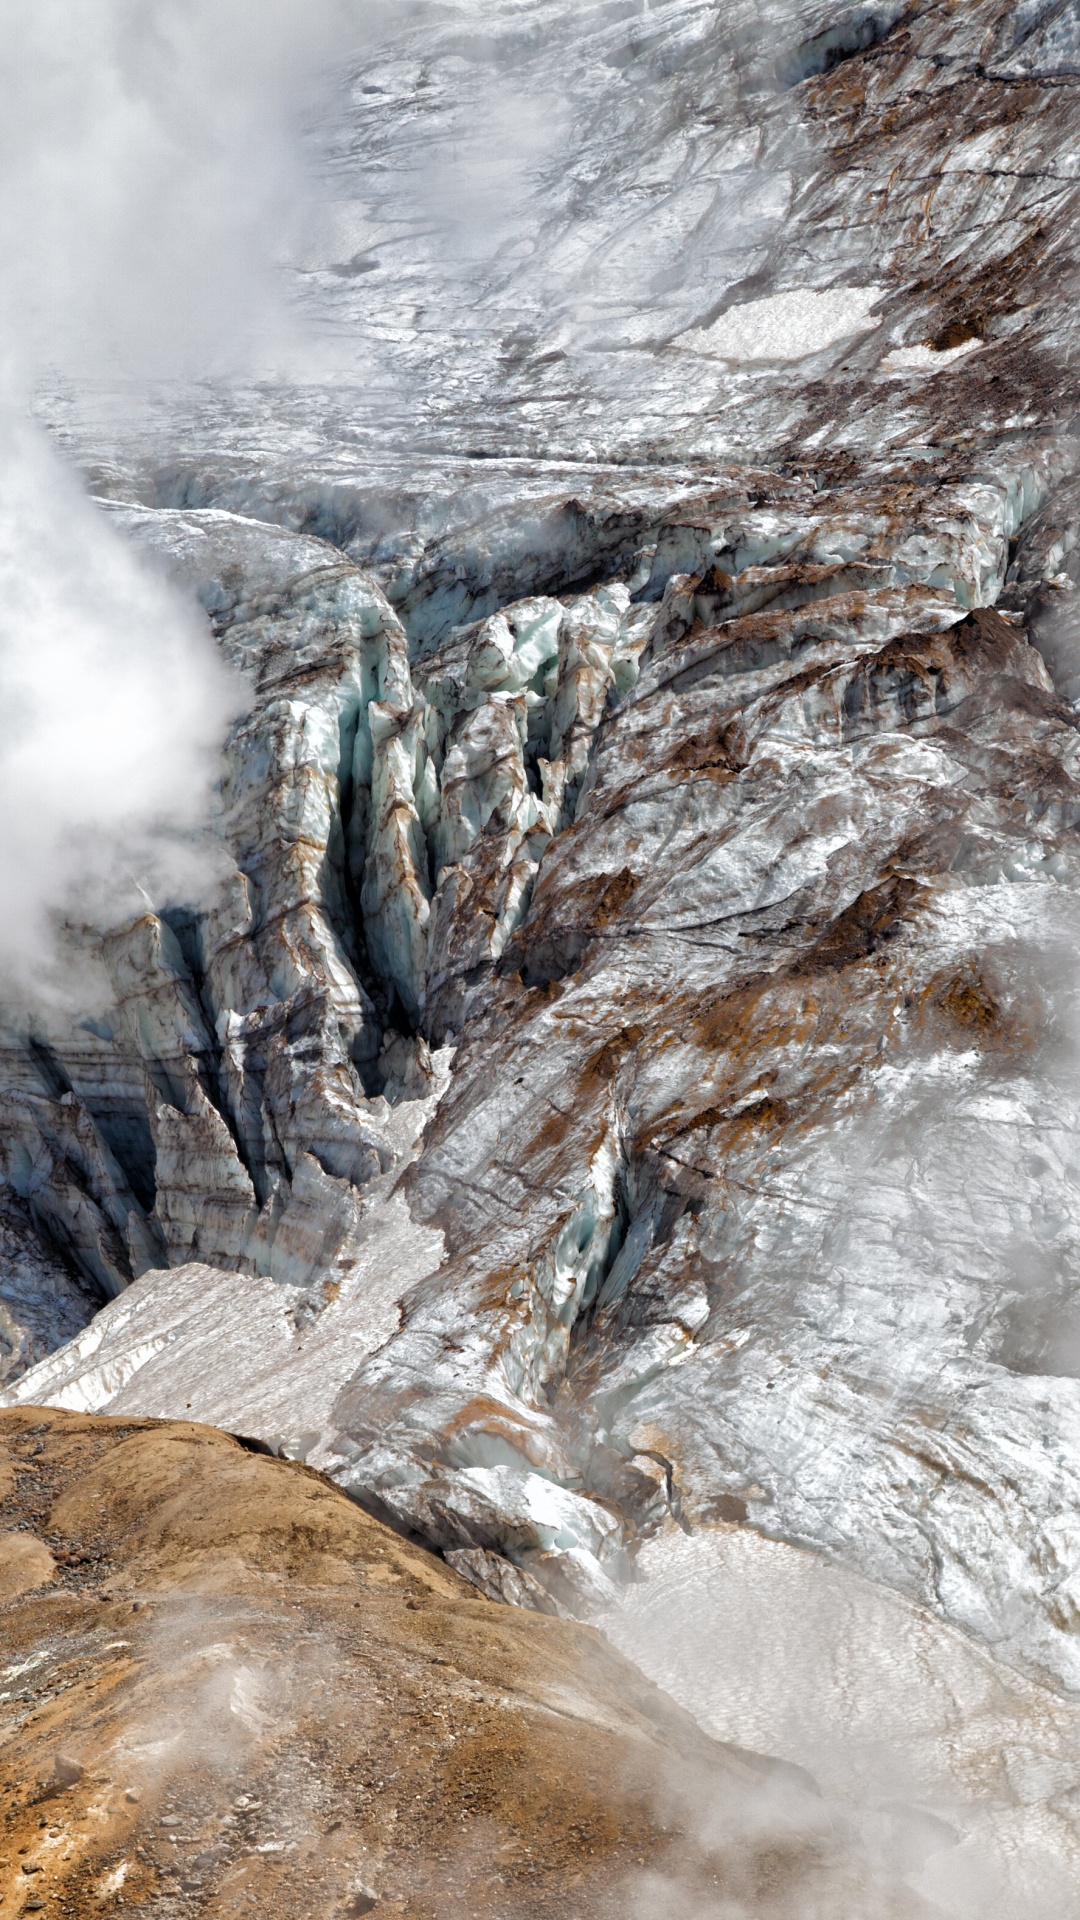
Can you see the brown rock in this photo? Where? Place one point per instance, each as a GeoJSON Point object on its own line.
{"type": "Point", "coordinates": [25, 1564]}
{"type": "Point", "coordinates": [309, 1730]}
{"type": "Point", "coordinates": [66, 1772]}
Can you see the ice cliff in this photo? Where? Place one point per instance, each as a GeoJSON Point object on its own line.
{"type": "Point", "coordinates": [626, 1079]}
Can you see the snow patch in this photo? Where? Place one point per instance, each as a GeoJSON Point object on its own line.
{"type": "Point", "coordinates": [786, 326]}
{"type": "Point", "coordinates": [927, 359]}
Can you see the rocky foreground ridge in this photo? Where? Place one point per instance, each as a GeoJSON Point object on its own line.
{"type": "Point", "coordinates": [625, 1080]}
{"type": "Point", "coordinates": [225, 1689]}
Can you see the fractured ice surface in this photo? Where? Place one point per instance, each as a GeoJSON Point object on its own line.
{"type": "Point", "coordinates": [690, 744]}
{"type": "Point", "coordinates": [255, 1355]}
{"type": "Point", "coordinates": [42, 1303]}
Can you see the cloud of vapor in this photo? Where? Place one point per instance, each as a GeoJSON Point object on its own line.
{"type": "Point", "coordinates": [113, 705]}
{"type": "Point", "coordinates": [150, 167]}
{"type": "Point", "coordinates": [902, 1723]}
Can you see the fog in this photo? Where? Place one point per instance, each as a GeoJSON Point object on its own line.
{"type": "Point", "coordinates": [937, 1766]}
{"type": "Point", "coordinates": [151, 168]}
{"type": "Point", "coordinates": [113, 707]}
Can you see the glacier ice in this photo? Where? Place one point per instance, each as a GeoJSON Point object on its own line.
{"type": "Point", "coordinates": [615, 1111]}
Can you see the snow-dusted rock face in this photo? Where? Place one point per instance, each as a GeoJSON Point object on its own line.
{"type": "Point", "coordinates": [626, 1075]}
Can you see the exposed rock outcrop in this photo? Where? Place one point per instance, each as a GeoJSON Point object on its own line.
{"type": "Point", "coordinates": [225, 1687]}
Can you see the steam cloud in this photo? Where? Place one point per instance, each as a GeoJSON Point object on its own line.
{"type": "Point", "coordinates": [112, 699]}
{"type": "Point", "coordinates": [149, 171]}
{"type": "Point", "coordinates": [151, 168]}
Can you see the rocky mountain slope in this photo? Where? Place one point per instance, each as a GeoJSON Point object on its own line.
{"type": "Point", "coordinates": [225, 1689]}
{"type": "Point", "coordinates": [624, 1079]}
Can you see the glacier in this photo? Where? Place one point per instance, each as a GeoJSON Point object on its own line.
{"type": "Point", "coordinates": [614, 1110]}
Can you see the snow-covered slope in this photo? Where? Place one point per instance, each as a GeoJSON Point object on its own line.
{"type": "Point", "coordinates": [627, 1075]}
